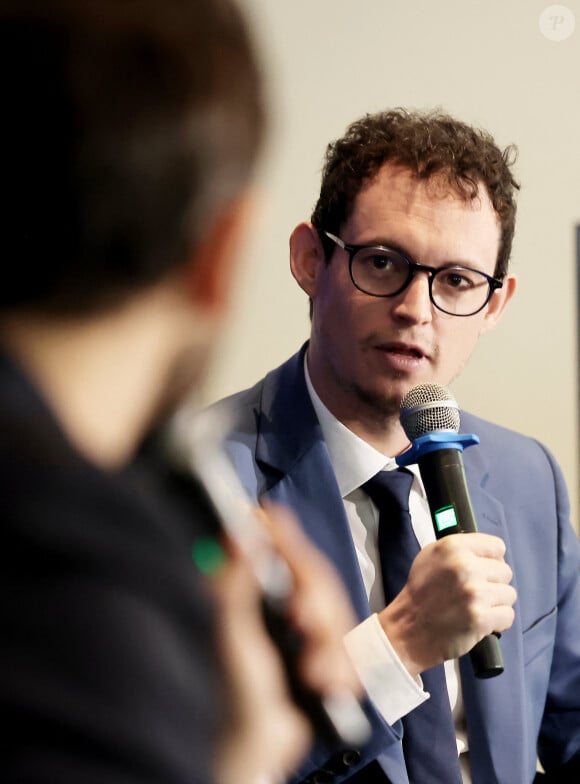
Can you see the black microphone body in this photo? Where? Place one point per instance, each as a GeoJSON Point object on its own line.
{"type": "Point", "coordinates": [443, 476]}
{"type": "Point", "coordinates": [430, 418]}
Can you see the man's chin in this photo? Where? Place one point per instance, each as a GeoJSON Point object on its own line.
{"type": "Point", "coordinates": [384, 403]}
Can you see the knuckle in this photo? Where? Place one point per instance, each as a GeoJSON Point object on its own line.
{"type": "Point", "coordinates": [500, 546]}
{"type": "Point", "coordinates": [471, 598]}
{"type": "Point", "coordinates": [475, 616]}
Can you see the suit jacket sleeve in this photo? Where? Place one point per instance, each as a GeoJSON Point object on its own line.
{"type": "Point", "coordinates": [559, 738]}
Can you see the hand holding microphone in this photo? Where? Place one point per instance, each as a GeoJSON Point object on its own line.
{"type": "Point", "coordinates": [463, 581]}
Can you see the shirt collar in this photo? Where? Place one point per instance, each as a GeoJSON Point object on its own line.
{"type": "Point", "coordinates": [353, 459]}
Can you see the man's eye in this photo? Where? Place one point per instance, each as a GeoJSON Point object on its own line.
{"type": "Point", "coordinates": [382, 262]}
{"type": "Point", "coordinates": [379, 262]}
{"type": "Point", "coordinates": [454, 279]}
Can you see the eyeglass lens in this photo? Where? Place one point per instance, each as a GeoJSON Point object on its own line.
{"type": "Point", "coordinates": [384, 272]}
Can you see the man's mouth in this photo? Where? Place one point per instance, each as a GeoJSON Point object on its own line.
{"type": "Point", "coordinates": [408, 350]}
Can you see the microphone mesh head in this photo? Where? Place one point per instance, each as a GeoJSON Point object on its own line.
{"type": "Point", "coordinates": [427, 408]}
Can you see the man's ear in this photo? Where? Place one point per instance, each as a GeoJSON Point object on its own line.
{"type": "Point", "coordinates": [212, 268]}
{"type": "Point", "coordinates": [498, 303]}
{"type": "Point", "coordinates": [306, 257]}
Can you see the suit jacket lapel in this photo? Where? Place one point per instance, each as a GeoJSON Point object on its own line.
{"type": "Point", "coordinates": [494, 707]}
{"type": "Point", "coordinates": [292, 451]}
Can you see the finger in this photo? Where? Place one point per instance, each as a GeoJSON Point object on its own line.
{"type": "Point", "coordinates": [499, 619]}
{"type": "Point", "coordinates": [234, 584]}
{"type": "Point", "coordinates": [484, 545]}
{"type": "Point", "coordinates": [496, 571]}
{"type": "Point", "coordinates": [320, 605]}
{"type": "Point", "coordinates": [289, 538]}
{"type": "Point", "coordinates": [320, 608]}
{"type": "Point", "coordinates": [499, 594]}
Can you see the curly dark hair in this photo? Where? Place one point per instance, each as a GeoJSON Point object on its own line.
{"type": "Point", "coordinates": [428, 144]}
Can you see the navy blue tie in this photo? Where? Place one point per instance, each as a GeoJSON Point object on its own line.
{"type": "Point", "coordinates": [429, 743]}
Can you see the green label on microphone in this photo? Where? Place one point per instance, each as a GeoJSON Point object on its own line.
{"type": "Point", "coordinates": [445, 518]}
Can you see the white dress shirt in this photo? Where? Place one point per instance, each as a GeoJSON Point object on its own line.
{"type": "Point", "coordinates": [392, 689]}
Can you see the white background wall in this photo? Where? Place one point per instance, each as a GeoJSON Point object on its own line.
{"type": "Point", "coordinates": [329, 61]}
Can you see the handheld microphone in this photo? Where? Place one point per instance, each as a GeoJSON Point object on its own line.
{"type": "Point", "coordinates": [196, 445]}
{"type": "Point", "coordinates": [430, 418]}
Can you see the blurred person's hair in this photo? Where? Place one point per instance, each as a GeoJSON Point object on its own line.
{"type": "Point", "coordinates": [127, 125]}
{"type": "Point", "coordinates": [431, 145]}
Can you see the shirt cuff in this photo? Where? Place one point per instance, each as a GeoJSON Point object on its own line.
{"type": "Point", "coordinates": [394, 692]}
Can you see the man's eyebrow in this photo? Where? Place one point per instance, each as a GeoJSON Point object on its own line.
{"type": "Point", "coordinates": [393, 245]}
{"type": "Point", "coordinates": [382, 242]}
{"type": "Point", "coordinates": [385, 243]}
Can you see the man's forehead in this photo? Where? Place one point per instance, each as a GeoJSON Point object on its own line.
{"type": "Point", "coordinates": [427, 218]}
{"type": "Point", "coordinates": [405, 183]}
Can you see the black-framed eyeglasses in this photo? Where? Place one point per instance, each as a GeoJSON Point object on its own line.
{"type": "Point", "coordinates": [384, 272]}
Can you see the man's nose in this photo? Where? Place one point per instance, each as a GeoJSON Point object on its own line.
{"type": "Point", "coordinates": [414, 304]}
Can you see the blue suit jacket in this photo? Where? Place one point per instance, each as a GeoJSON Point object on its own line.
{"type": "Point", "coordinates": [518, 493]}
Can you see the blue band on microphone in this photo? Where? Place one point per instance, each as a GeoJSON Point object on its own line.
{"type": "Point", "coordinates": [431, 442]}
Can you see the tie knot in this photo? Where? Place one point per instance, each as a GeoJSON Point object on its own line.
{"type": "Point", "coordinates": [390, 487]}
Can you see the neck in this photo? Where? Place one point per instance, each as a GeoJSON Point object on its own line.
{"type": "Point", "coordinates": [376, 424]}
{"type": "Point", "coordinates": [104, 377]}
{"type": "Point", "coordinates": [381, 431]}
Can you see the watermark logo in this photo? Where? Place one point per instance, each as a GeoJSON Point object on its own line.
{"type": "Point", "coordinates": [557, 22]}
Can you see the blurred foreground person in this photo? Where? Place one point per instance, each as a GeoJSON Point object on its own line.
{"type": "Point", "coordinates": [128, 136]}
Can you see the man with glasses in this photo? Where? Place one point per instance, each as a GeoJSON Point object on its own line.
{"type": "Point", "coordinates": [405, 263]}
